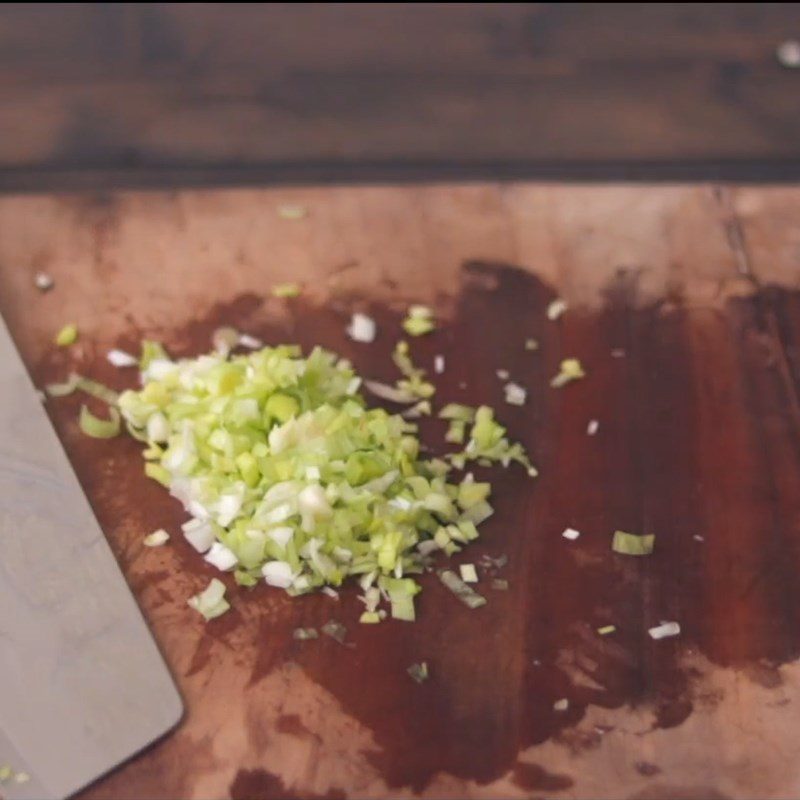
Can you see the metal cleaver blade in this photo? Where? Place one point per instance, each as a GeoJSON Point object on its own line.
{"type": "Point", "coordinates": [82, 684]}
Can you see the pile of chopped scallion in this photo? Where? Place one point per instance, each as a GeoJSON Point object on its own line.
{"type": "Point", "coordinates": [289, 476]}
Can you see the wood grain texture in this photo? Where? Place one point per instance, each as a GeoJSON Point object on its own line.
{"type": "Point", "coordinates": [297, 90]}
{"type": "Point", "coordinates": [697, 286]}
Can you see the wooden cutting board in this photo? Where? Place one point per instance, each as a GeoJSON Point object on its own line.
{"type": "Point", "coordinates": [684, 309]}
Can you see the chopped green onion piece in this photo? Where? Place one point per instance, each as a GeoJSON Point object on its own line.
{"type": "Point", "coordinates": [419, 321]}
{"type": "Point", "coordinates": [211, 601]}
{"type": "Point", "coordinates": [468, 596]}
{"type": "Point", "coordinates": [286, 290]}
{"type": "Point", "coordinates": [570, 370]}
{"type": "Point", "coordinates": [369, 618]}
{"type": "Point", "coordinates": [456, 411]}
{"type": "Point", "coordinates": [305, 634]}
{"type": "Point", "coordinates": [335, 630]}
{"type": "Point", "coordinates": [156, 538]}
{"type": "Point", "coordinates": [419, 672]}
{"type": "Point", "coordinates": [75, 383]}
{"type": "Point", "coordinates": [629, 544]}
{"type": "Point", "coordinates": [99, 428]}
{"type": "Point", "coordinates": [291, 211]}
{"type": "Point", "coordinates": [555, 309]}
{"type": "Point", "coordinates": [468, 573]}
{"type": "Point", "coordinates": [531, 344]}
{"type": "Point", "coordinates": [151, 351]}
{"type": "Point", "coordinates": [500, 584]}
{"type": "Point", "coordinates": [5, 772]}
{"type": "Point", "coordinates": [245, 578]}
{"type": "Point", "coordinates": [67, 335]}
{"type": "Point", "coordinates": [606, 630]}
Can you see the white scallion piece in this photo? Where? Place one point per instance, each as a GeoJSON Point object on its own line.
{"type": "Point", "coordinates": [698, 538]}
{"type": "Point", "coordinates": [362, 328]}
{"type": "Point", "coordinates": [617, 352]}
{"type": "Point", "coordinates": [330, 592]}
{"type": "Point", "coordinates": [468, 573]}
{"type": "Point", "coordinates": [665, 630]}
{"type": "Point", "coordinates": [43, 282]}
{"type": "Point", "coordinates": [119, 358]}
{"type": "Point", "coordinates": [561, 705]}
{"type": "Point", "coordinates": [221, 557]}
{"type": "Point", "coordinates": [156, 538]}
{"type": "Point", "coordinates": [211, 601]}
{"type": "Point", "coordinates": [592, 427]}
{"type": "Point", "coordinates": [250, 342]}
{"type": "Point", "coordinates": [199, 533]}
{"type": "Point", "coordinates": [278, 573]}
{"type": "Point", "coordinates": [571, 534]}
{"type": "Point", "coordinates": [438, 364]}
{"type": "Point", "coordinates": [556, 309]}
{"type": "Point", "coordinates": [515, 394]}
{"type": "Point", "coordinates": [390, 393]}
{"type": "Point", "coordinates": [503, 374]}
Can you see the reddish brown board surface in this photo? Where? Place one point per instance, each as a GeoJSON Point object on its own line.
{"type": "Point", "coordinates": [684, 310]}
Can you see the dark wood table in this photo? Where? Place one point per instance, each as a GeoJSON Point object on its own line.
{"type": "Point", "coordinates": [684, 309]}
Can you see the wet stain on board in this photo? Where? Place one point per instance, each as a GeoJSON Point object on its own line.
{"type": "Point", "coordinates": [696, 444]}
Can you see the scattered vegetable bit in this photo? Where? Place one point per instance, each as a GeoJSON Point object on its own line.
{"type": "Point", "coordinates": [335, 630]}
{"type": "Point", "coordinates": [468, 596]}
{"type": "Point", "coordinates": [419, 321]}
{"type": "Point", "coordinates": [292, 211]}
{"type": "Point", "coordinates": [43, 282]}
{"type": "Point", "coordinates": [99, 428]}
{"type": "Point", "coordinates": [250, 342]}
{"type": "Point", "coordinates": [468, 573]}
{"type": "Point", "coordinates": [156, 538]}
{"type": "Point", "coordinates": [457, 412]}
{"type": "Point", "coordinates": [488, 443]}
{"type": "Point", "coordinates": [362, 328]}
{"type": "Point", "coordinates": [419, 672]}
{"type": "Point", "coordinates": [618, 352]}
{"type": "Point", "coordinates": [555, 309]}
{"type": "Point", "coordinates": [286, 290]}
{"type": "Point", "coordinates": [438, 364]}
{"type": "Point", "coordinates": [221, 557]}
{"type": "Point", "coordinates": [561, 705]}
{"type": "Point", "coordinates": [500, 585]}
{"type": "Point", "coordinates": [421, 409]}
{"type": "Point", "coordinates": [571, 534]}
{"type": "Point", "coordinates": [305, 634]}
{"type": "Point", "coordinates": [225, 339]}
{"type": "Point", "coordinates": [413, 381]}
{"type": "Point", "coordinates": [592, 427]}
{"type": "Point", "coordinates": [330, 592]}
{"type": "Point", "coordinates": [211, 601]}
{"type": "Point", "coordinates": [606, 630]}
{"type": "Point", "coordinates": [788, 54]}
{"type": "Point", "coordinates": [531, 344]}
{"type": "Point", "coordinates": [628, 544]}
{"type": "Point", "coordinates": [390, 393]}
{"type": "Point", "coordinates": [21, 777]}
{"type": "Point", "coordinates": [5, 772]}
{"type": "Point", "coordinates": [487, 562]}
{"type": "Point", "coordinates": [571, 370]}
{"type": "Point", "coordinates": [665, 630]}
{"type": "Point", "coordinates": [370, 618]}
{"type": "Point", "coordinates": [515, 394]}
{"type": "Point", "coordinates": [698, 538]}
{"type": "Point", "coordinates": [119, 358]}
{"type": "Point", "coordinates": [503, 374]}
{"type": "Point", "coordinates": [67, 335]}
